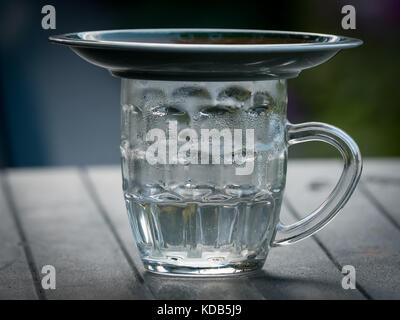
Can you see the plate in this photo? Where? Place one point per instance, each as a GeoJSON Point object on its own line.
{"type": "Point", "coordinates": [205, 54]}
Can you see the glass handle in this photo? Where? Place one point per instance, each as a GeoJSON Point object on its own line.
{"type": "Point", "coordinates": [316, 131]}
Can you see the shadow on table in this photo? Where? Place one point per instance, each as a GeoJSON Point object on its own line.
{"type": "Point", "coordinates": [254, 286]}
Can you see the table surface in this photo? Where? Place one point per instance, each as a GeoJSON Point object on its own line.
{"type": "Point", "coordinates": [73, 218]}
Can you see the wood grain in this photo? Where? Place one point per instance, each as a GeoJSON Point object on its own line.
{"type": "Point", "coordinates": [64, 229]}
{"type": "Point", "coordinates": [75, 220]}
{"type": "Point", "coordinates": [15, 276]}
{"type": "Point", "coordinates": [360, 235]}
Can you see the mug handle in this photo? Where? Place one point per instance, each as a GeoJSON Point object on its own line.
{"type": "Point", "coordinates": [317, 131]}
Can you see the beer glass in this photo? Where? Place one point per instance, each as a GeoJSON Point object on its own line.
{"type": "Point", "coordinates": [204, 141]}
{"type": "Point", "coordinates": [204, 171]}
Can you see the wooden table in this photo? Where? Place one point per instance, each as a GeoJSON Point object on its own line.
{"type": "Point", "coordinates": [74, 219]}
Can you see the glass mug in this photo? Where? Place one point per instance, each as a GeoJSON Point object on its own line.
{"type": "Point", "coordinates": [204, 171]}
{"type": "Point", "coordinates": [204, 140]}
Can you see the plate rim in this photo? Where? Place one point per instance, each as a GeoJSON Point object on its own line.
{"type": "Point", "coordinates": [339, 42]}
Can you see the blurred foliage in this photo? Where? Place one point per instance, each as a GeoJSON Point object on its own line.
{"type": "Point", "coordinates": [357, 89]}
{"type": "Point", "coordinates": [356, 92]}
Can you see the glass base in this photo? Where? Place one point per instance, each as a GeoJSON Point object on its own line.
{"type": "Point", "coordinates": [220, 270]}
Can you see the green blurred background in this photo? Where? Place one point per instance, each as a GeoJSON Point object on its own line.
{"type": "Point", "coordinates": [356, 90]}
{"type": "Point", "coordinates": [56, 109]}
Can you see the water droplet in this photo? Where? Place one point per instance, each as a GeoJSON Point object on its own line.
{"type": "Point", "coordinates": [217, 110]}
{"type": "Point", "coordinates": [167, 111]}
{"type": "Point", "coordinates": [262, 103]}
{"type": "Point", "coordinates": [235, 92]}
{"type": "Point", "coordinates": [260, 109]}
{"type": "Point", "coordinates": [192, 92]}
{"type": "Point", "coordinates": [153, 93]}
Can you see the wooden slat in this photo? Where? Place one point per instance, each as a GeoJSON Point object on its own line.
{"type": "Point", "coordinates": [65, 229]}
{"type": "Point", "coordinates": [381, 184]}
{"type": "Point", "coordinates": [302, 271]}
{"type": "Point", "coordinates": [360, 235]}
{"type": "Point", "coordinates": [15, 277]}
